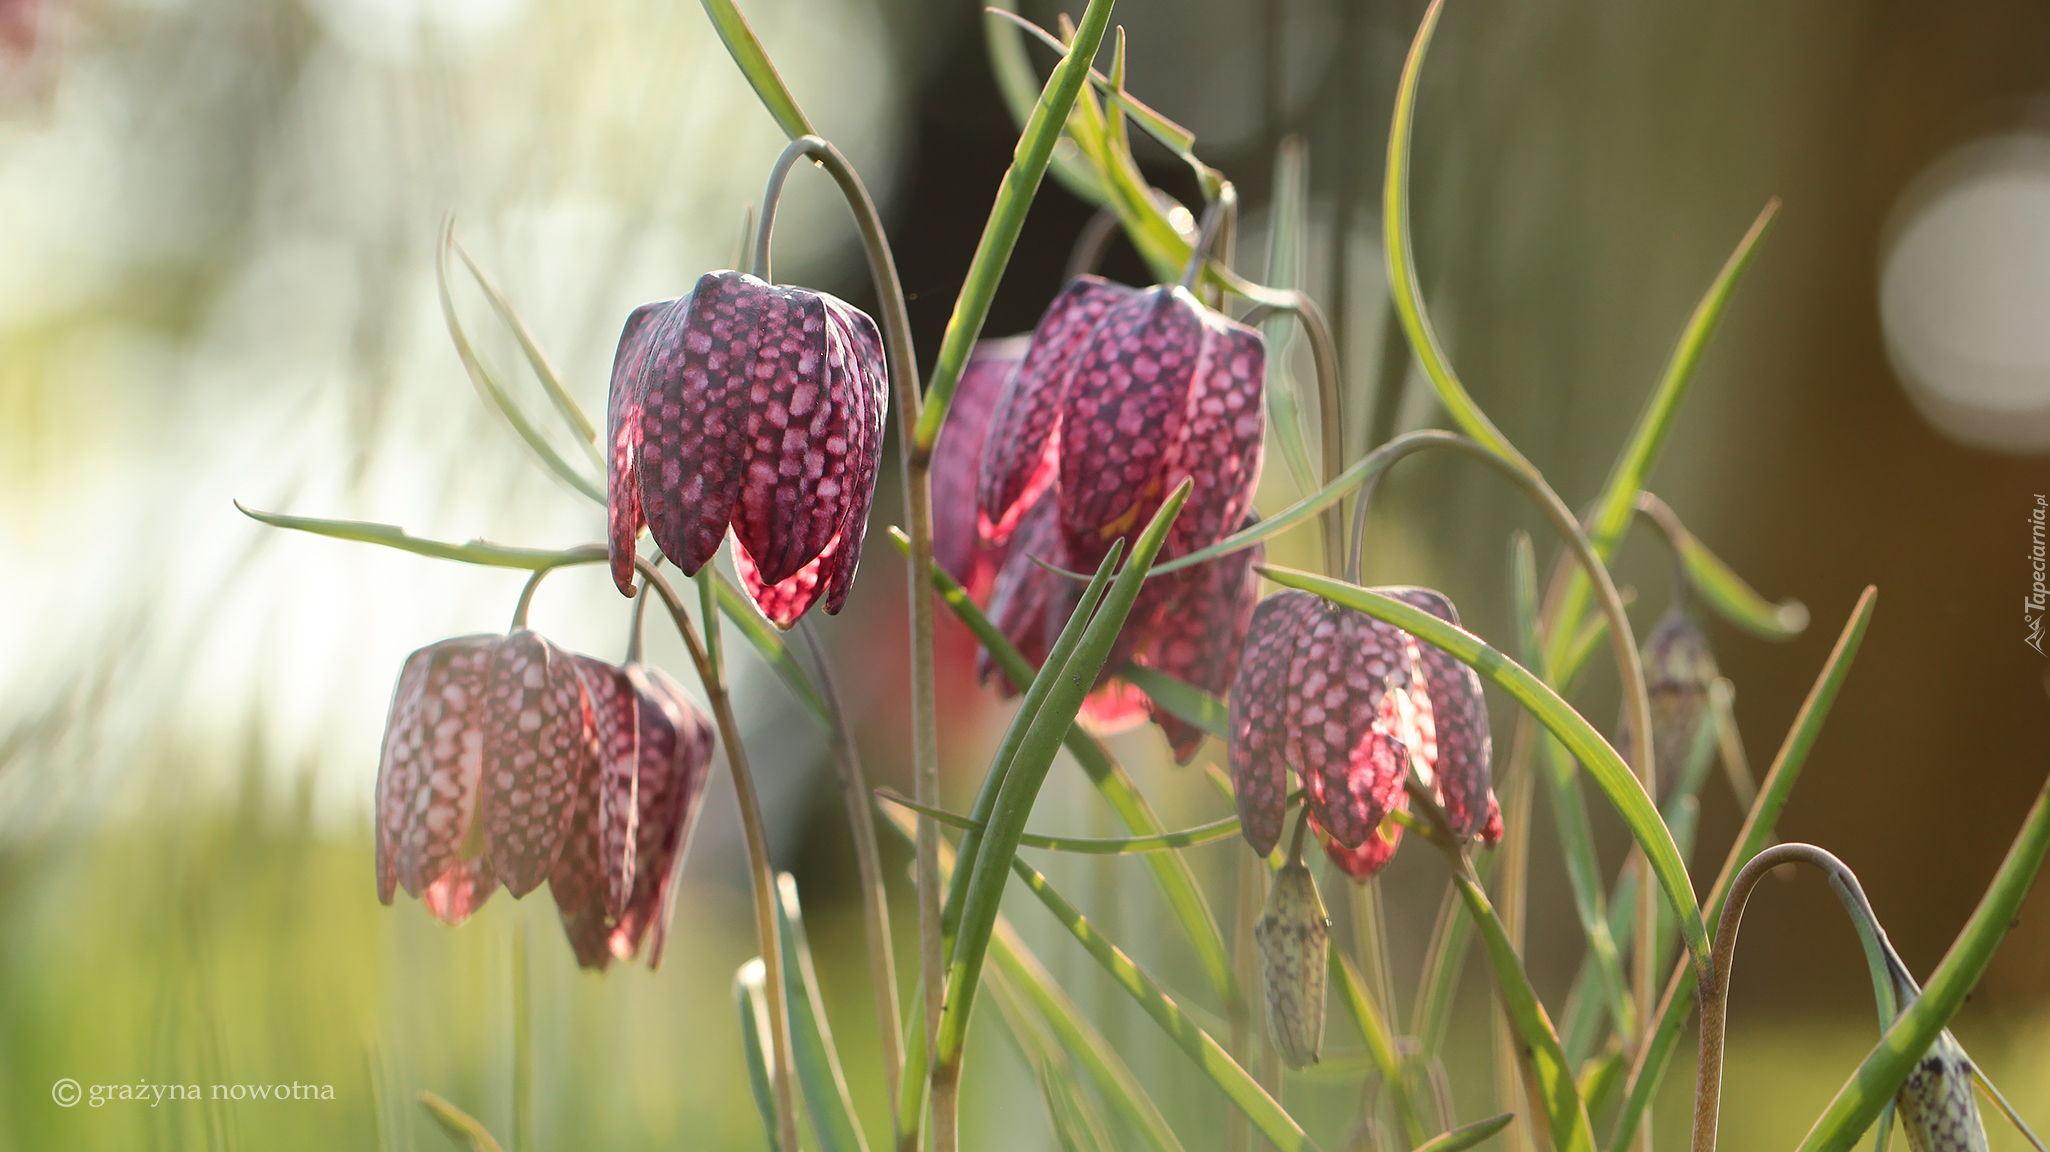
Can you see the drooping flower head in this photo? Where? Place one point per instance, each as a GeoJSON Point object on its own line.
{"type": "Point", "coordinates": [1354, 705]}
{"type": "Point", "coordinates": [965, 553]}
{"type": "Point", "coordinates": [613, 880]}
{"type": "Point", "coordinates": [756, 406]}
{"type": "Point", "coordinates": [1678, 669]}
{"type": "Point", "coordinates": [1120, 394]}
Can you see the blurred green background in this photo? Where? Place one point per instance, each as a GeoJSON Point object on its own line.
{"type": "Point", "coordinates": [217, 225]}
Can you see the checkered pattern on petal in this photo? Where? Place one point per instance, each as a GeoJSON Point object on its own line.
{"type": "Point", "coordinates": [540, 740]}
{"type": "Point", "coordinates": [676, 763]}
{"type": "Point", "coordinates": [958, 544]}
{"type": "Point", "coordinates": [1459, 712]}
{"type": "Point", "coordinates": [1337, 730]}
{"type": "Point", "coordinates": [615, 708]}
{"type": "Point", "coordinates": [1224, 422]}
{"type": "Point", "coordinates": [623, 408]}
{"type": "Point", "coordinates": [1374, 852]}
{"type": "Point", "coordinates": [460, 891]}
{"type": "Point", "coordinates": [1199, 639]}
{"type": "Point", "coordinates": [434, 751]}
{"type": "Point", "coordinates": [1024, 440]}
{"type": "Point", "coordinates": [1259, 714]}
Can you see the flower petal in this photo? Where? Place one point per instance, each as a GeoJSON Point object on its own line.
{"type": "Point", "coordinates": [1223, 424]}
{"type": "Point", "coordinates": [1199, 639]}
{"type": "Point", "coordinates": [676, 763]}
{"type": "Point", "coordinates": [784, 602]}
{"type": "Point", "coordinates": [433, 753]}
{"type": "Point", "coordinates": [1027, 603]}
{"type": "Point", "coordinates": [540, 742]}
{"type": "Point", "coordinates": [460, 891]}
{"type": "Point", "coordinates": [693, 449]}
{"type": "Point", "coordinates": [624, 404]}
{"type": "Point", "coordinates": [1459, 713]}
{"type": "Point", "coordinates": [1025, 433]}
{"type": "Point", "coordinates": [615, 710]}
{"type": "Point", "coordinates": [1338, 737]}
{"type": "Point", "coordinates": [1259, 704]}
{"type": "Point", "coordinates": [957, 541]}
{"type": "Point", "coordinates": [1122, 412]}
{"type": "Point", "coordinates": [1678, 668]}
{"type": "Point", "coordinates": [862, 374]}
{"type": "Point", "coordinates": [1373, 854]}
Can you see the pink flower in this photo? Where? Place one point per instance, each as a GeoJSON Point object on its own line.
{"type": "Point", "coordinates": [1353, 706]}
{"type": "Point", "coordinates": [755, 406]}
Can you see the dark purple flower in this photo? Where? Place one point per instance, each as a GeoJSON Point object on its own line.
{"type": "Point", "coordinates": [1352, 704]}
{"type": "Point", "coordinates": [613, 879]}
{"type": "Point", "coordinates": [756, 406]}
{"type": "Point", "coordinates": [489, 741]}
{"type": "Point", "coordinates": [968, 554]}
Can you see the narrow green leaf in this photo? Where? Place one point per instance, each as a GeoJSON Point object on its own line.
{"type": "Point", "coordinates": [2001, 1106]}
{"type": "Point", "coordinates": [1602, 1078]}
{"type": "Point", "coordinates": [1172, 136]}
{"type": "Point", "coordinates": [1181, 698]}
{"type": "Point", "coordinates": [1572, 730]}
{"type": "Point", "coordinates": [1719, 585]}
{"type": "Point", "coordinates": [392, 536]}
{"type": "Point", "coordinates": [460, 1125]}
{"type": "Point", "coordinates": [1544, 1061]}
{"type": "Point", "coordinates": [1187, 838]}
{"type": "Point", "coordinates": [1403, 288]}
{"type": "Point", "coordinates": [750, 997]}
{"type": "Point", "coordinates": [1036, 693]}
{"type": "Point", "coordinates": [544, 370]}
{"type": "Point", "coordinates": [1006, 217]}
{"type": "Point", "coordinates": [1467, 1136]}
{"type": "Point", "coordinates": [1027, 772]}
{"type": "Point", "coordinates": [817, 1062]}
{"type": "Point", "coordinates": [1287, 241]}
{"type": "Point", "coordinates": [1876, 1081]}
{"type": "Point", "coordinates": [493, 392]}
{"type": "Point", "coordinates": [1209, 1057]}
{"type": "Point", "coordinates": [768, 643]}
{"type": "Point", "coordinates": [1650, 1065]}
{"type": "Point", "coordinates": [1380, 1042]}
{"type": "Point", "coordinates": [1177, 880]}
{"type": "Point", "coordinates": [1019, 85]}
{"type": "Point", "coordinates": [754, 64]}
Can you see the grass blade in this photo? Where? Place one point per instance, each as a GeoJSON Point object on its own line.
{"type": "Point", "coordinates": [1876, 1081]}
{"type": "Point", "coordinates": [1019, 85]}
{"type": "Point", "coordinates": [811, 1037]}
{"type": "Point", "coordinates": [1287, 240]}
{"type": "Point", "coordinates": [392, 536]}
{"type": "Point", "coordinates": [1006, 217]}
{"type": "Point", "coordinates": [749, 997]}
{"type": "Point", "coordinates": [1467, 1136]}
{"type": "Point", "coordinates": [1572, 730]}
{"type": "Point", "coordinates": [1188, 838]}
{"type": "Point", "coordinates": [493, 392]}
{"type": "Point", "coordinates": [460, 1125]}
{"type": "Point", "coordinates": [1209, 1057]}
{"type": "Point", "coordinates": [1183, 699]}
{"type": "Point", "coordinates": [1649, 1066]}
{"type": "Point", "coordinates": [1177, 880]}
{"type": "Point", "coordinates": [1380, 1044]}
{"type": "Point", "coordinates": [1035, 752]}
{"type": "Point", "coordinates": [754, 64]}
{"type": "Point", "coordinates": [551, 380]}
{"type": "Point", "coordinates": [768, 643]}
{"type": "Point", "coordinates": [1719, 585]}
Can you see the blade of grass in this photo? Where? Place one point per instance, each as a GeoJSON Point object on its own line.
{"type": "Point", "coordinates": [1020, 86]}
{"type": "Point", "coordinates": [1006, 218]}
{"type": "Point", "coordinates": [1187, 838]}
{"type": "Point", "coordinates": [1177, 880]}
{"type": "Point", "coordinates": [1649, 1064]}
{"type": "Point", "coordinates": [1468, 1135]}
{"type": "Point", "coordinates": [551, 380]}
{"type": "Point", "coordinates": [817, 1061]}
{"type": "Point", "coordinates": [1881, 1074]}
{"type": "Point", "coordinates": [1572, 730]}
{"type": "Point", "coordinates": [749, 998]}
{"type": "Point", "coordinates": [1035, 751]}
{"type": "Point", "coordinates": [1209, 1057]}
{"type": "Point", "coordinates": [754, 63]}
{"type": "Point", "coordinates": [1183, 699]}
{"type": "Point", "coordinates": [495, 396]}
{"type": "Point", "coordinates": [1719, 584]}
{"type": "Point", "coordinates": [1287, 239]}
{"type": "Point", "coordinates": [460, 1125]}
{"type": "Point", "coordinates": [1387, 1062]}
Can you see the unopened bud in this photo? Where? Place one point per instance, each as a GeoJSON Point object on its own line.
{"type": "Point", "coordinates": [1678, 668]}
{"type": "Point", "coordinates": [1294, 936]}
{"type": "Point", "coordinates": [1936, 1107]}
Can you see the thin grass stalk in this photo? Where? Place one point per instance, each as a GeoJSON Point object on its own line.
{"type": "Point", "coordinates": [523, 1044]}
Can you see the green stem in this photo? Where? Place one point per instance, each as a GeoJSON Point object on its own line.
{"type": "Point", "coordinates": [523, 1045]}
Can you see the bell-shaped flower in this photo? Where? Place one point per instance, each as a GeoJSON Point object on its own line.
{"type": "Point", "coordinates": [1678, 669]}
{"type": "Point", "coordinates": [613, 880]}
{"type": "Point", "coordinates": [1354, 706]}
{"type": "Point", "coordinates": [1123, 394]}
{"type": "Point", "coordinates": [488, 744]}
{"type": "Point", "coordinates": [756, 406]}
{"type": "Point", "coordinates": [959, 548]}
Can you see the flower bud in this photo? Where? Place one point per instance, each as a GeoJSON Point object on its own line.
{"type": "Point", "coordinates": [1678, 668]}
{"type": "Point", "coordinates": [1935, 1104]}
{"type": "Point", "coordinates": [1294, 936]}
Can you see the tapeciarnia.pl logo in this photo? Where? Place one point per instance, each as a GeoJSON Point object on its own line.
{"type": "Point", "coordinates": [2038, 599]}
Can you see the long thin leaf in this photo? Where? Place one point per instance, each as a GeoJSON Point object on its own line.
{"type": "Point", "coordinates": [1467, 1136]}
{"type": "Point", "coordinates": [817, 1062]}
{"type": "Point", "coordinates": [1403, 287]}
{"type": "Point", "coordinates": [1650, 1063]}
{"type": "Point", "coordinates": [1183, 699]}
{"type": "Point", "coordinates": [1042, 740]}
{"type": "Point", "coordinates": [544, 370]}
{"type": "Point", "coordinates": [1380, 1043]}
{"type": "Point", "coordinates": [1020, 87]}
{"type": "Point", "coordinates": [1549, 1077]}
{"type": "Point", "coordinates": [754, 64]}
{"type": "Point", "coordinates": [1007, 217]}
{"type": "Point", "coordinates": [1177, 880]}
{"type": "Point", "coordinates": [1132, 845]}
{"type": "Point", "coordinates": [1719, 584]}
{"type": "Point", "coordinates": [460, 1125]}
{"type": "Point", "coordinates": [1881, 1074]}
{"type": "Point", "coordinates": [1572, 730]}
{"type": "Point", "coordinates": [768, 643]}
{"type": "Point", "coordinates": [494, 393]}
{"type": "Point", "coordinates": [1209, 1057]}
{"type": "Point", "coordinates": [1287, 240]}
{"type": "Point", "coordinates": [751, 999]}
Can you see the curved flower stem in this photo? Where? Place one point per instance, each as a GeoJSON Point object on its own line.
{"type": "Point", "coordinates": [1708, 1085]}
{"type": "Point", "coordinates": [526, 600]}
{"type": "Point", "coordinates": [523, 1044]}
{"type": "Point", "coordinates": [1214, 219]}
{"type": "Point", "coordinates": [1330, 389]}
{"type": "Point", "coordinates": [714, 680]}
{"type": "Point", "coordinates": [1091, 244]}
{"type": "Point", "coordinates": [882, 965]}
